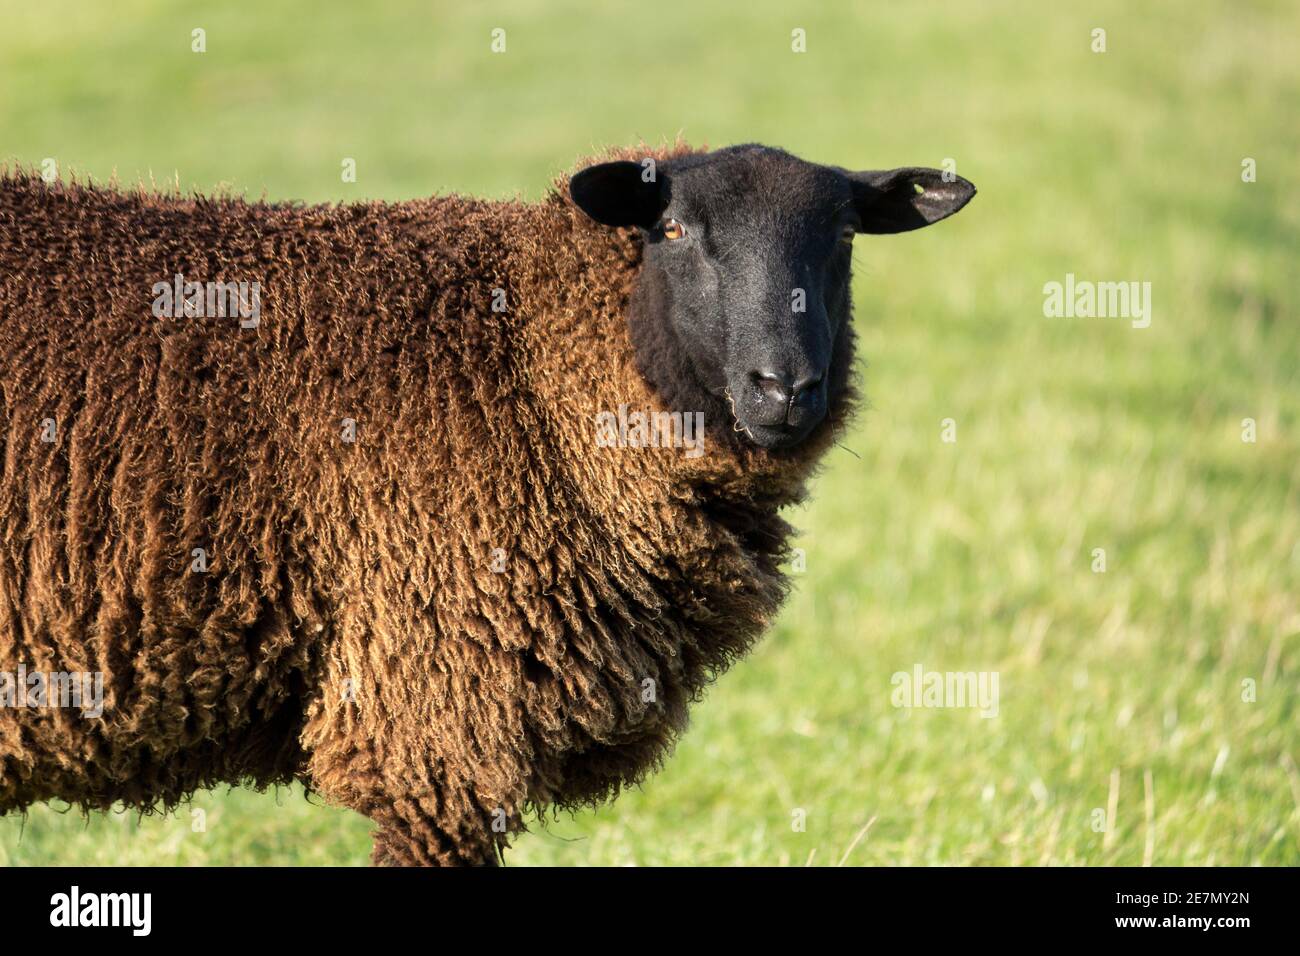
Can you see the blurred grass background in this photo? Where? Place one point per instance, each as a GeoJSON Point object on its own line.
{"type": "Point", "coordinates": [1072, 434]}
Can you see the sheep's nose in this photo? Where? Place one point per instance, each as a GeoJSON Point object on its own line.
{"type": "Point", "coordinates": [784, 394]}
{"type": "Point", "coordinates": [782, 388]}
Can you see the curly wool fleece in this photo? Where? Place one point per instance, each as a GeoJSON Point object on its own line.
{"type": "Point", "coordinates": [368, 541]}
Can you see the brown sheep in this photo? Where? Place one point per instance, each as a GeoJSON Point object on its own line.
{"type": "Point", "coordinates": [356, 525]}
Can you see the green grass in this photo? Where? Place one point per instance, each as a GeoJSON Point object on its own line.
{"type": "Point", "coordinates": [1072, 434]}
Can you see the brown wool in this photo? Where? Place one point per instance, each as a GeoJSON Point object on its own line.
{"type": "Point", "coordinates": [356, 627]}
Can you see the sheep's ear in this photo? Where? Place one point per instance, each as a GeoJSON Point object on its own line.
{"type": "Point", "coordinates": [899, 200]}
{"type": "Point", "coordinates": [621, 193]}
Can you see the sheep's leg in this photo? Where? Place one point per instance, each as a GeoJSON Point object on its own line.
{"type": "Point", "coordinates": [442, 823]}
{"type": "Point", "coordinates": [410, 833]}
{"type": "Point", "coordinates": [420, 738]}
{"type": "Point", "coordinates": [439, 827]}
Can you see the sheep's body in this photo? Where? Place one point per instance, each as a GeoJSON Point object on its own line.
{"type": "Point", "coordinates": [356, 627]}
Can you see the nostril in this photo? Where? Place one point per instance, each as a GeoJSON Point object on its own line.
{"type": "Point", "coordinates": [773, 387]}
{"type": "Point", "coordinates": [807, 387]}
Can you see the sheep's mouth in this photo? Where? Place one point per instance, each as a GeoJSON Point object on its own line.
{"type": "Point", "coordinates": [776, 437]}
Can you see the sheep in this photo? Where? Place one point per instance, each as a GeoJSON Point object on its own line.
{"type": "Point", "coordinates": [396, 512]}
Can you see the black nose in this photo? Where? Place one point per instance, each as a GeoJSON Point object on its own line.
{"type": "Point", "coordinates": [785, 396]}
{"type": "Point", "coordinates": [781, 388]}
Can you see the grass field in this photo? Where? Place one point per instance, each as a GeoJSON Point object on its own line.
{"type": "Point", "coordinates": [1164, 688]}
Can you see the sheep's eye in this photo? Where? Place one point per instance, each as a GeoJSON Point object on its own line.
{"type": "Point", "coordinates": [673, 229]}
{"type": "Point", "coordinates": [847, 234]}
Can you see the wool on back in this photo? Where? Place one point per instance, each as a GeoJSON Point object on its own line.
{"type": "Point", "coordinates": [366, 538]}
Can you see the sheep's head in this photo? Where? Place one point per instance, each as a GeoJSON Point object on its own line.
{"type": "Point", "coordinates": [742, 308]}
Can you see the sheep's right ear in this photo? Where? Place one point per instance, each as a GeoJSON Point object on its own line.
{"type": "Point", "coordinates": [621, 193]}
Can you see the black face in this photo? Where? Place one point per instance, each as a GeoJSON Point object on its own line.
{"type": "Point", "coordinates": [743, 303]}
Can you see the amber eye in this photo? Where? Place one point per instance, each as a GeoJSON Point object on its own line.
{"type": "Point", "coordinates": [673, 229]}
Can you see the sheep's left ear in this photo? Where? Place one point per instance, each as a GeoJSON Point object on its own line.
{"type": "Point", "coordinates": [899, 200]}
{"type": "Point", "coordinates": [621, 193]}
